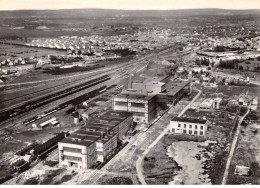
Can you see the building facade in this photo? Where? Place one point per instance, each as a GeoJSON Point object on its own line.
{"type": "Point", "coordinates": [142, 106]}
{"type": "Point", "coordinates": [252, 64]}
{"type": "Point", "coordinates": [96, 141]}
{"type": "Point", "coordinates": [191, 126]}
{"type": "Point", "coordinates": [77, 153]}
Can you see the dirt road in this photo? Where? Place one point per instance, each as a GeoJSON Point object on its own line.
{"type": "Point", "coordinates": [139, 162]}
{"type": "Point", "coordinates": [232, 150]}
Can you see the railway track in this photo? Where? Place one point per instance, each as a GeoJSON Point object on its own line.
{"type": "Point", "coordinates": [39, 92]}
{"type": "Point", "coordinates": [49, 98]}
{"type": "Point", "coordinates": [30, 104]}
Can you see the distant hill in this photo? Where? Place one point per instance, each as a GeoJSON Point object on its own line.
{"type": "Point", "coordinates": [115, 13]}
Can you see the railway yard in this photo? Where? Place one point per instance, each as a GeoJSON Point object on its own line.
{"type": "Point", "coordinates": [95, 96]}
{"type": "Point", "coordinates": [21, 108]}
{"type": "Point", "coordinates": [38, 113]}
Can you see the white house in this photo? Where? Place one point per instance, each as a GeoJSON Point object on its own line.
{"type": "Point", "coordinates": [254, 104]}
{"type": "Point", "coordinates": [207, 104]}
{"type": "Point", "coordinates": [191, 126]}
{"type": "Point", "coordinates": [216, 103]}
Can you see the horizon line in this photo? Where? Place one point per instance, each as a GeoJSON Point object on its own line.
{"type": "Point", "coordinates": [126, 9]}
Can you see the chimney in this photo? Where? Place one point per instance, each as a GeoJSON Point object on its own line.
{"type": "Point", "coordinates": [130, 82]}
{"type": "Point", "coordinates": [107, 131]}
{"type": "Point", "coordinates": [102, 135]}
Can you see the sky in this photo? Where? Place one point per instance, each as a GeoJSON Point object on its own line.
{"type": "Point", "coordinates": [128, 4]}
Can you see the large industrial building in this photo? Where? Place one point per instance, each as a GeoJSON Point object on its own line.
{"type": "Point", "coordinates": [145, 96]}
{"type": "Point", "coordinates": [96, 141]}
{"type": "Point", "coordinates": [149, 86]}
{"type": "Point", "coordinates": [175, 90]}
{"type": "Point", "coordinates": [142, 106]}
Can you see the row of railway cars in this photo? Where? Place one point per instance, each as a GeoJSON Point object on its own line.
{"type": "Point", "coordinates": [50, 98]}
{"type": "Point", "coordinates": [74, 102]}
{"type": "Point", "coordinates": [34, 152]}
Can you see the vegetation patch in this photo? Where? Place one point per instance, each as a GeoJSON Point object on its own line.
{"type": "Point", "coordinates": [48, 179]}
{"type": "Point", "coordinates": [120, 180]}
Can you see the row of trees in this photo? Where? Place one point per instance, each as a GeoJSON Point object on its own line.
{"type": "Point", "coordinates": [203, 61]}
{"type": "Point", "coordinates": [228, 64]}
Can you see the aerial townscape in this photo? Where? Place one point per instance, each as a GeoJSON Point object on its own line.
{"type": "Point", "coordinates": [130, 97]}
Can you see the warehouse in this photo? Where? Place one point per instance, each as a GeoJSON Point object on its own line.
{"type": "Point", "coordinates": [124, 119]}
{"type": "Point", "coordinates": [176, 90]}
{"type": "Point", "coordinates": [96, 141]}
{"type": "Point", "coordinates": [75, 151]}
{"type": "Point", "coordinates": [142, 106]}
{"type": "Point", "coordinates": [149, 87]}
{"type": "Point", "coordinates": [144, 103]}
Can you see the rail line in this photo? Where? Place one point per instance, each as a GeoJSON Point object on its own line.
{"type": "Point", "coordinates": [49, 98]}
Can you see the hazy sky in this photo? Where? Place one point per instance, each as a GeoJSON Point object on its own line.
{"type": "Point", "coordinates": [128, 4]}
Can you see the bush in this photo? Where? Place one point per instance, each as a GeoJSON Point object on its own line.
{"type": "Point", "coordinates": [51, 163]}
{"type": "Point", "coordinates": [119, 181]}
{"type": "Point", "coordinates": [255, 169]}
{"type": "Point", "coordinates": [66, 178]}
{"type": "Point", "coordinates": [31, 181]}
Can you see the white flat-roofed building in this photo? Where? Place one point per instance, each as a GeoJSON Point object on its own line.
{"type": "Point", "coordinates": [105, 147]}
{"type": "Point", "coordinates": [207, 104]}
{"type": "Point", "coordinates": [96, 141]}
{"type": "Point", "coordinates": [142, 106]}
{"type": "Point", "coordinates": [191, 126]}
{"type": "Point", "coordinates": [77, 152]}
{"type": "Point", "coordinates": [216, 103]}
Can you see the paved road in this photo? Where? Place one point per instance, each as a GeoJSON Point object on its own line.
{"type": "Point", "coordinates": [139, 165]}
{"type": "Point", "coordinates": [232, 150]}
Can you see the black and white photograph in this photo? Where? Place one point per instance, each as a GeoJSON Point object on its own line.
{"type": "Point", "coordinates": [129, 92]}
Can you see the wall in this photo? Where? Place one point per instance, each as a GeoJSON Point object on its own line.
{"type": "Point", "coordinates": [87, 155]}
{"type": "Point", "coordinates": [174, 128]}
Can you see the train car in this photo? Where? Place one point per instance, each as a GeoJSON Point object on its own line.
{"type": "Point", "coordinates": [5, 178]}
{"type": "Point", "coordinates": [20, 165]}
{"type": "Point", "coordinates": [46, 123]}
{"type": "Point", "coordinates": [43, 149]}
{"type": "Point", "coordinates": [50, 98]}
{"type": "Point", "coordinates": [27, 149]}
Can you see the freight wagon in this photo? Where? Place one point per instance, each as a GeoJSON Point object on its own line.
{"type": "Point", "coordinates": [20, 165]}
{"type": "Point", "coordinates": [27, 149]}
{"type": "Point", "coordinates": [43, 149]}
{"type": "Point", "coordinates": [52, 97]}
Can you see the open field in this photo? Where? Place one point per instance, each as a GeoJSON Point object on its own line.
{"type": "Point", "coordinates": [229, 91]}
{"type": "Point", "coordinates": [254, 76]}
{"type": "Point", "coordinates": [167, 162]}
{"type": "Point", "coordinates": [13, 51]}
{"type": "Point", "coordinates": [247, 154]}
{"type": "Point", "coordinates": [190, 157]}
{"type": "Point", "coordinates": [220, 118]}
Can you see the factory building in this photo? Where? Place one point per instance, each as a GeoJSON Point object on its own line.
{"type": "Point", "coordinates": [149, 87]}
{"type": "Point", "coordinates": [191, 126]}
{"type": "Point", "coordinates": [147, 97]}
{"type": "Point", "coordinates": [142, 106]}
{"type": "Point", "coordinates": [176, 90]}
{"type": "Point", "coordinates": [124, 121]}
{"type": "Point", "coordinates": [96, 141]}
{"type": "Point", "coordinates": [77, 151]}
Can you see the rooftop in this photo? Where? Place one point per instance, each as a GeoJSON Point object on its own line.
{"type": "Point", "coordinates": [189, 120]}
{"type": "Point", "coordinates": [134, 95]}
{"type": "Point", "coordinates": [69, 140]}
{"type": "Point", "coordinates": [174, 87]}
{"type": "Point", "coordinates": [117, 115]}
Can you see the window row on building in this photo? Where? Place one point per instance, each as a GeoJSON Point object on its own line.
{"type": "Point", "coordinates": [191, 132]}
{"type": "Point", "coordinates": [190, 126]}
